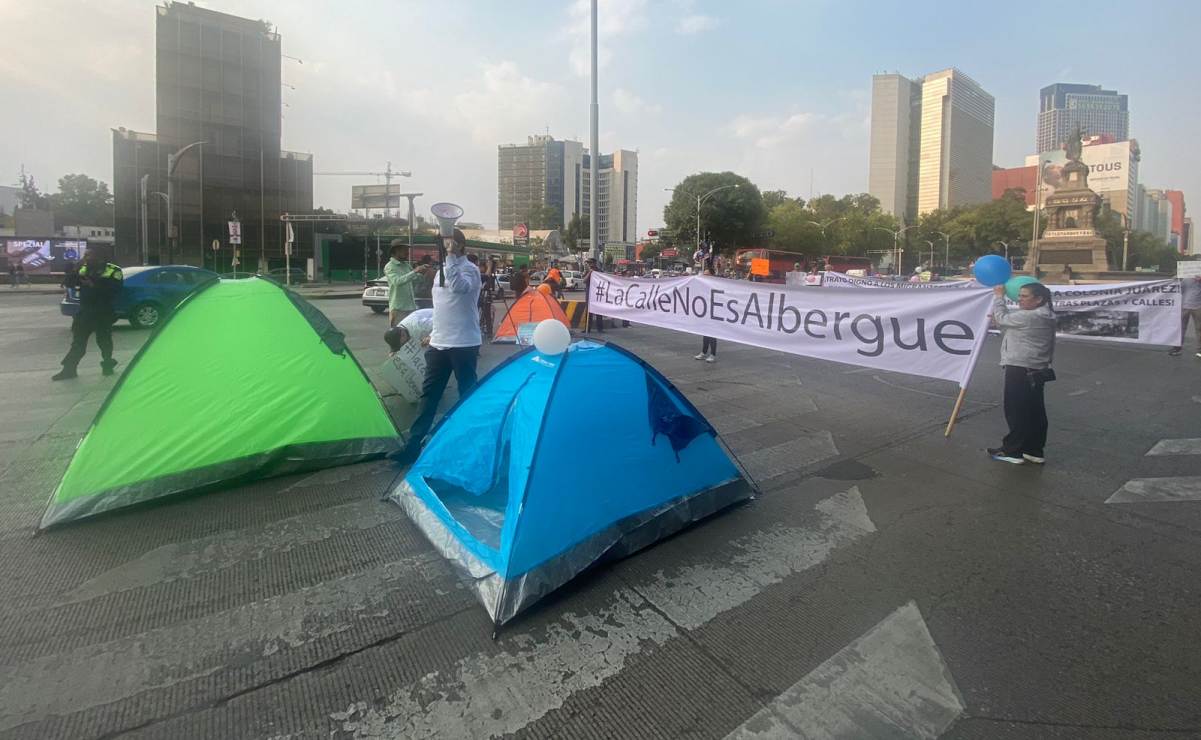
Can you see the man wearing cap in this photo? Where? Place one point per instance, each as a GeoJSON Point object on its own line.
{"type": "Point", "coordinates": [401, 276]}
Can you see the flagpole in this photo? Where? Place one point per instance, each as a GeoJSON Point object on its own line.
{"type": "Point", "coordinates": [955, 411]}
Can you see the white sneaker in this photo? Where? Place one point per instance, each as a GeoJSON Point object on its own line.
{"type": "Point", "coordinates": [711, 358]}
{"type": "Point", "coordinates": [701, 356]}
{"type": "Point", "coordinates": [1034, 459]}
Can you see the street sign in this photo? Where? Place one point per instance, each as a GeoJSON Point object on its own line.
{"type": "Point", "coordinates": [216, 245]}
{"type": "Point", "coordinates": [235, 232]}
{"type": "Point", "coordinates": [670, 253]}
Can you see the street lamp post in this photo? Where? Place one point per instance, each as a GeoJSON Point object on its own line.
{"type": "Point", "coordinates": [931, 251]}
{"type": "Point", "coordinates": [946, 238]}
{"type": "Point", "coordinates": [896, 244]}
{"type": "Point", "coordinates": [159, 217]}
{"type": "Point", "coordinates": [699, 200]}
{"type": "Point", "coordinates": [172, 163]}
{"type": "Point", "coordinates": [826, 225]}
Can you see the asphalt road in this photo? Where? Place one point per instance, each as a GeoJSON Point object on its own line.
{"type": "Point", "coordinates": [889, 582]}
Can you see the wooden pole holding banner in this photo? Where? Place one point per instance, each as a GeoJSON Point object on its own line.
{"type": "Point", "coordinates": [955, 412]}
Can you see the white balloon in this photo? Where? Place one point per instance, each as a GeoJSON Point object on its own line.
{"type": "Point", "coordinates": [551, 337]}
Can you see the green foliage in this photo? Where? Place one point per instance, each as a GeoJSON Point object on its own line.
{"type": "Point", "coordinates": [733, 217]}
{"type": "Point", "coordinates": [81, 200]}
{"type": "Point", "coordinates": [576, 232]}
{"type": "Point", "coordinates": [1144, 249]}
{"type": "Point", "coordinates": [829, 225]}
{"type": "Point", "coordinates": [773, 198]}
{"type": "Point", "coordinates": [977, 229]}
{"type": "Point", "coordinates": [30, 196]}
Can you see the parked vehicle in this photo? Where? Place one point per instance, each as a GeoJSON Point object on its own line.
{"type": "Point", "coordinates": [280, 274]}
{"type": "Point", "coordinates": [149, 293]}
{"type": "Point", "coordinates": [572, 280]}
{"type": "Point", "coordinates": [375, 295]}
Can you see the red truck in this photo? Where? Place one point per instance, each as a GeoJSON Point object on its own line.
{"type": "Point", "coordinates": [779, 263]}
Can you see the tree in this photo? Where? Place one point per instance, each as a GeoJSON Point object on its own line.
{"type": "Point", "coordinates": [81, 200]}
{"type": "Point", "coordinates": [576, 232]}
{"type": "Point", "coordinates": [731, 217]}
{"type": "Point", "coordinates": [773, 198]}
{"type": "Point", "coordinates": [789, 221]}
{"type": "Point", "coordinates": [30, 196]}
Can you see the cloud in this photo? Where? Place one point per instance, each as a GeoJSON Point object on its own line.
{"type": "Point", "coordinates": [614, 19]}
{"type": "Point", "coordinates": [769, 132]}
{"type": "Point", "coordinates": [630, 104]}
{"type": "Point", "coordinates": [695, 23]}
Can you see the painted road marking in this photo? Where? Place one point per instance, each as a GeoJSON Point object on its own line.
{"type": "Point", "coordinates": [489, 694]}
{"type": "Point", "coordinates": [1157, 490]}
{"type": "Point", "coordinates": [1176, 447]}
{"type": "Point", "coordinates": [203, 555]}
{"type": "Point", "coordinates": [890, 682]}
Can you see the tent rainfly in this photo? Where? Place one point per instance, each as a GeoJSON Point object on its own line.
{"type": "Point", "coordinates": [532, 307]}
{"type": "Point", "coordinates": [499, 491]}
{"type": "Point", "coordinates": [244, 380]}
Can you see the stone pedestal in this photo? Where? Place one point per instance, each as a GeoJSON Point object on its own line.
{"type": "Point", "coordinates": [1080, 249]}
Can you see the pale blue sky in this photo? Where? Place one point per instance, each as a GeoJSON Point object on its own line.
{"type": "Point", "coordinates": [772, 90]}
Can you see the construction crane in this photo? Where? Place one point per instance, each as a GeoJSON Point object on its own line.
{"type": "Point", "coordinates": [387, 174]}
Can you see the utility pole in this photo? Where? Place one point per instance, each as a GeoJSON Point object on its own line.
{"type": "Point", "coordinates": [594, 138]}
{"type": "Point", "coordinates": [145, 234]}
{"type": "Point", "coordinates": [412, 213]}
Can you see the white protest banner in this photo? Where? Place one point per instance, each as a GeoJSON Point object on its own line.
{"type": "Point", "coordinates": [936, 334]}
{"type": "Point", "coordinates": [838, 279]}
{"type": "Point", "coordinates": [1142, 312]}
{"type": "Point", "coordinates": [1188, 268]}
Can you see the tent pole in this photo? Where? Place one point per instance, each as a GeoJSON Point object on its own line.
{"type": "Point", "coordinates": [955, 412]}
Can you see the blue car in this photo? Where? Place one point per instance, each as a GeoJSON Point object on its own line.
{"type": "Point", "coordinates": [148, 293]}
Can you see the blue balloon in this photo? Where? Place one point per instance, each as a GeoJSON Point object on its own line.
{"type": "Point", "coordinates": [992, 269]}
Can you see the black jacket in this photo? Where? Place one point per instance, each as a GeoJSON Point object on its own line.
{"type": "Point", "coordinates": [97, 293]}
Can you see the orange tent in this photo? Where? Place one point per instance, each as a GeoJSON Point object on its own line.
{"type": "Point", "coordinates": [533, 306]}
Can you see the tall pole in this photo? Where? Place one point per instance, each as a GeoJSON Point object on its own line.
{"type": "Point", "coordinates": [698, 225]}
{"type": "Point", "coordinates": [1032, 259]}
{"type": "Point", "coordinates": [263, 214]}
{"type": "Point", "coordinates": [171, 231]}
{"type": "Point", "coordinates": [594, 138]}
{"type": "Point", "coordinates": [145, 232]}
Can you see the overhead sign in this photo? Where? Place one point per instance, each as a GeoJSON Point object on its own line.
{"type": "Point", "coordinates": [935, 334]}
{"type": "Point", "coordinates": [374, 196]}
{"type": "Point", "coordinates": [1110, 166]}
{"type": "Point", "coordinates": [235, 232]}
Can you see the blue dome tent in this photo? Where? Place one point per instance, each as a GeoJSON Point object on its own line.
{"type": "Point", "coordinates": [500, 491]}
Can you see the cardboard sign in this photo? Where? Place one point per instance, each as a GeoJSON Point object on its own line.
{"type": "Point", "coordinates": [760, 266]}
{"type": "Point", "coordinates": [405, 370]}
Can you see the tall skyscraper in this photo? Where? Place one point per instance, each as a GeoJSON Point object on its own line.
{"type": "Point", "coordinates": [546, 173]}
{"type": "Point", "coordinates": [931, 143]}
{"type": "Point", "coordinates": [217, 80]}
{"type": "Point", "coordinates": [1099, 112]}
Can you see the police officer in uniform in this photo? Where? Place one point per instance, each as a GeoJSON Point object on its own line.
{"type": "Point", "coordinates": [98, 282]}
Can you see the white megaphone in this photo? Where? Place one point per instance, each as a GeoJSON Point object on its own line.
{"type": "Point", "coordinates": [447, 214]}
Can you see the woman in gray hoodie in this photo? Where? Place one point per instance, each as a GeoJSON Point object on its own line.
{"type": "Point", "coordinates": [1027, 348]}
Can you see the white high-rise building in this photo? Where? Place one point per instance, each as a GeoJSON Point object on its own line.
{"type": "Point", "coordinates": [545, 172]}
{"type": "Point", "coordinates": [931, 143]}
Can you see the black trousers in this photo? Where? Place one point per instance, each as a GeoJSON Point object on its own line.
{"type": "Point", "coordinates": [596, 320]}
{"type": "Point", "coordinates": [709, 346]}
{"type": "Point", "coordinates": [439, 364]}
{"type": "Point", "coordinates": [1026, 414]}
{"type": "Point", "coordinates": [83, 326]}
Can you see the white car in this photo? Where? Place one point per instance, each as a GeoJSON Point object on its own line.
{"type": "Point", "coordinates": [572, 280]}
{"type": "Point", "coordinates": [375, 295]}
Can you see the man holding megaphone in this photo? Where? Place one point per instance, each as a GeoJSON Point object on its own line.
{"type": "Point", "coordinates": [455, 341]}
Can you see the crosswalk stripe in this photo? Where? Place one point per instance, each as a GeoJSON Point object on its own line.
{"type": "Point", "coordinates": [890, 682]}
{"type": "Point", "coordinates": [1157, 490]}
{"type": "Point", "coordinates": [1176, 447]}
{"type": "Point", "coordinates": [492, 694]}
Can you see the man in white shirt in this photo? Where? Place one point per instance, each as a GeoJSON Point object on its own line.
{"type": "Point", "coordinates": [454, 342]}
{"type": "Point", "coordinates": [416, 327]}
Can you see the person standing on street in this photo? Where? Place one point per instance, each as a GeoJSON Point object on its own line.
{"type": "Point", "coordinates": [454, 343]}
{"type": "Point", "coordinates": [98, 282]}
{"type": "Point", "coordinates": [401, 275]}
{"type": "Point", "coordinates": [12, 274]}
{"type": "Point", "coordinates": [594, 319]}
{"type": "Point", "coordinates": [1190, 308]}
{"type": "Point", "coordinates": [708, 344]}
{"type": "Point", "coordinates": [555, 278]}
{"type": "Point", "coordinates": [519, 280]}
{"type": "Point", "coordinates": [1027, 349]}
{"type": "Point", "coordinates": [22, 279]}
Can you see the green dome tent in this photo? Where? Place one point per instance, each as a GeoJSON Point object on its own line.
{"type": "Point", "coordinates": [244, 380]}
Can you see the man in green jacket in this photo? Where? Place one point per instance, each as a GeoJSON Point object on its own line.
{"type": "Point", "coordinates": [401, 276]}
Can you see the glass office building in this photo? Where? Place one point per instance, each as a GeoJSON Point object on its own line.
{"type": "Point", "coordinates": [218, 80]}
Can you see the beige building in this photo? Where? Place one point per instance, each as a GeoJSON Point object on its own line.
{"type": "Point", "coordinates": [931, 143]}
